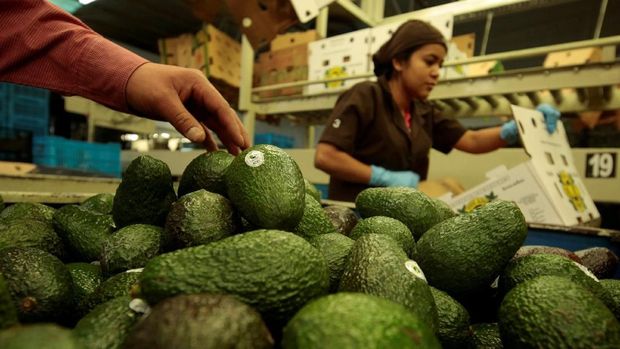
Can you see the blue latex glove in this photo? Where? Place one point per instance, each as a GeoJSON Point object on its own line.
{"type": "Point", "coordinates": [509, 132]}
{"type": "Point", "coordinates": [380, 177]}
{"type": "Point", "coordinates": [551, 116]}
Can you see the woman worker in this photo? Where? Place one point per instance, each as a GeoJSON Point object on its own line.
{"type": "Point", "coordinates": [380, 133]}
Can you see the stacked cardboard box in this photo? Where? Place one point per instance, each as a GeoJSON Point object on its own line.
{"type": "Point", "coordinates": [287, 61]}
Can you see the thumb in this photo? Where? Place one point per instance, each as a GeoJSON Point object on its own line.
{"type": "Point", "coordinates": [176, 114]}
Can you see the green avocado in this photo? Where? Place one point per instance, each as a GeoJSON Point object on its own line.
{"type": "Point", "coordinates": [201, 217]}
{"type": "Point", "coordinates": [357, 320]}
{"type": "Point", "coordinates": [209, 321]}
{"type": "Point", "coordinates": [266, 186]}
{"type": "Point", "coordinates": [555, 312]}
{"type": "Point", "coordinates": [145, 193]}
{"type": "Point", "coordinates": [206, 171]}
{"type": "Point", "coordinates": [465, 253]}
{"type": "Point", "coordinates": [378, 266]}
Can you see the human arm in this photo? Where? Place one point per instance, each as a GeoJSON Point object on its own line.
{"type": "Point", "coordinates": [46, 47]}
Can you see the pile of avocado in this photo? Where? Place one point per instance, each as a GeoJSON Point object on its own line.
{"type": "Point", "coordinates": [244, 255]}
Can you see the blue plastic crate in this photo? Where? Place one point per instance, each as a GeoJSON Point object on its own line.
{"type": "Point", "coordinates": [324, 189]}
{"type": "Point", "coordinates": [278, 140]}
{"type": "Point", "coordinates": [53, 151]}
{"type": "Point", "coordinates": [25, 108]}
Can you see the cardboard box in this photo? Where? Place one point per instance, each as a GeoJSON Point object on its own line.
{"type": "Point", "coordinates": [281, 66]}
{"type": "Point", "coordinates": [339, 56]}
{"type": "Point", "coordinates": [547, 187]}
{"type": "Point", "coordinates": [459, 48]}
{"type": "Point", "coordinates": [287, 40]}
{"type": "Point", "coordinates": [573, 57]}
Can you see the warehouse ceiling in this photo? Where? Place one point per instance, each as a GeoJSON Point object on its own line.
{"type": "Point", "coordinates": [140, 23]}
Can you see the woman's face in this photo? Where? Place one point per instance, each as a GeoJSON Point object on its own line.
{"type": "Point", "coordinates": [419, 74]}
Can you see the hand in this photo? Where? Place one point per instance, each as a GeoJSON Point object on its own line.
{"type": "Point", "coordinates": [380, 177]}
{"type": "Point", "coordinates": [551, 116]}
{"type": "Point", "coordinates": [509, 132]}
{"type": "Point", "coordinates": [186, 99]}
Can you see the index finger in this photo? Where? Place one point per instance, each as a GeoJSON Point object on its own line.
{"type": "Point", "coordinates": [217, 107]}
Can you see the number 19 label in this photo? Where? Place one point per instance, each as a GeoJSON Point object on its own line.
{"type": "Point", "coordinates": [601, 165]}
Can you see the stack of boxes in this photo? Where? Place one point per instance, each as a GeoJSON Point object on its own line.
{"type": "Point", "coordinates": [213, 52]}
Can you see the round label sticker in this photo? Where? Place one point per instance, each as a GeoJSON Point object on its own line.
{"type": "Point", "coordinates": [254, 158]}
{"type": "Point", "coordinates": [137, 270]}
{"type": "Point", "coordinates": [587, 271]}
{"type": "Point", "coordinates": [414, 269]}
{"type": "Point", "coordinates": [139, 306]}
{"type": "Point", "coordinates": [336, 123]}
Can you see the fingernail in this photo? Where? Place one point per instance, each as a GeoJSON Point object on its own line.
{"type": "Point", "coordinates": [195, 134]}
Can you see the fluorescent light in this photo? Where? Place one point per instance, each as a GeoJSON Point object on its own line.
{"type": "Point", "coordinates": [85, 2]}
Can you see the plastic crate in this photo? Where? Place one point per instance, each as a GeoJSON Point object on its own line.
{"type": "Point", "coordinates": [24, 108]}
{"type": "Point", "coordinates": [323, 189]}
{"type": "Point", "coordinates": [53, 151]}
{"type": "Point", "coordinates": [274, 139]}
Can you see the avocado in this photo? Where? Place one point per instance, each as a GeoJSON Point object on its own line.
{"type": "Point", "coordinates": [37, 336]}
{"type": "Point", "coordinates": [529, 267]}
{"type": "Point", "coordinates": [378, 266]}
{"type": "Point", "coordinates": [465, 253]}
{"type": "Point", "coordinates": [356, 320]}
{"type": "Point", "coordinates": [273, 271]}
{"type": "Point", "coordinates": [612, 286]}
{"type": "Point", "coordinates": [314, 221]}
{"type": "Point", "coordinates": [28, 210]}
{"type": "Point", "coordinates": [443, 209]}
{"type": "Point", "coordinates": [40, 285]}
{"type": "Point", "coordinates": [343, 218]}
{"type": "Point", "coordinates": [335, 249]}
{"type": "Point", "coordinates": [453, 320]}
{"type": "Point", "coordinates": [108, 324]}
{"type": "Point", "coordinates": [206, 171]}
{"type": "Point", "coordinates": [130, 247]}
{"type": "Point", "coordinates": [408, 205]}
{"type": "Point", "coordinates": [200, 321]}
{"type": "Point", "coordinates": [18, 232]}
{"type": "Point", "coordinates": [8, 312]}
{"type": "Point", "coordinates": [201, 217]}
{"type": "Point", "coordinates": [600, 260]}
{"type": "Point", "coordinates": [312, 191]}
{"type": "Point", "coordinates": [100, 203]}
{"type": "Point", "coordinates": [121, 284]}
{"type": "Point", "coordinates": [555, 312]}
{"type": "Point", "coordinates": [145, 193]}
{"type": "Point", "coordinates": [86, 278]}
{"type": "Point", "coordinates": [1, 203]}
{"type": "Point", "coordinates": [386, 226]}
{"type": "Point", "coordinates": [485, 336]}
{"type": "Point", "coordinates": [266, 186]}
{"type": "Point", "coordinates": [83, 231]}
{"type": "Point", "coordinates": [538, 249]}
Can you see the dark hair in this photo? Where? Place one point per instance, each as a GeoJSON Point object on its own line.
{"type": "Point", "coordinates": [403, 57]}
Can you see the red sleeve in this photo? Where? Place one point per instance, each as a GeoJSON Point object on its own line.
{"type": "Point", "coordinates": [42, 45]}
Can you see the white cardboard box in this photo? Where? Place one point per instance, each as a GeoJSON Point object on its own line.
{"type": "Point", "coordinates": [547, 187]}
{"type": "Point", "coordinates": [338, 56]}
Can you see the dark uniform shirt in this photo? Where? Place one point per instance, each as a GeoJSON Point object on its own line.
{"type": "Point", "coordinates": [367, 124]}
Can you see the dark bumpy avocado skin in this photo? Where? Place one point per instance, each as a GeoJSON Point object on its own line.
{"type": "Point", "coordinates": [612, 286]}
{"type": "Point", "coordinates": [107, 325]}
{"type": "Point", "coordinates": [343, 218]}
{"type": "Point", "coordinates": [100, 203]}
{"type": "Point", "coordinates": [130, 248]}
{"type": "Point", "coordinates": [206, 172]}
{"type": "Point", "coordinates": [8, 312]}
{"type": "Point", "coordinates": [335, 247]}
{"type": "Point", "coordinates": [145, 193]}
{"type": "Point", "coordinates": [312, 191]}
{"type": "Point", "coordinates": [209, 321]}
{"type": "Point", "coordinates": [265, 184]}
{"type": "Point", "coordinates": [555, 312]}
{"type": "Point", "coordinates": [86, 279]}
{"type": "Point", "coordinates": [37, 336]}
{"type": "Point", "coordinates": [356, 320]}
{"type": "Point", "coordinates": [28, 210]}
{"type": "Point", "coordinates": [39, 283]}
{"type": "Point", "coordinates": [83, 231]}
{"type": "Point", "coordinates": [31, 233]}
{"type": "Point", "coordinates": [377, 266]}
{"type": "Point", "coordinates": [274, 271]}
{"type": "Point", "coordinates": [485, 336]}
{"type": "Point", "coordinates": [453, 320]}
{"type": "Point", "coordinates": [408, 205]}
{"type": "Point", "coordinates": [386, 226]}
{"type": "Point", "coordinates": [314, 222]}
{"type": "Point", "coordinates": [201, 217]}
{"type": "Point", "coordinates": [121, 284]}
{"type": "Point", "coordinates": [465, 253]}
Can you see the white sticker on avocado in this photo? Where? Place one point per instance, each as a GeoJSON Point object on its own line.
{"type": "Point", "coordinates": [254, 158]}
{"type": "Point", "coordinates": [415, 269]}
{"type": "Point", "coordinates": [495, 283]}
{"type": "Point", "coordinates": [139, 306]}
{"type": "Point", "coordinates": [138, 270]}
{"type": "Point", "coordinates": [586, 270]}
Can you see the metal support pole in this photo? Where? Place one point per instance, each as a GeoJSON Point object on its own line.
{"type": "Point", "coordinates": [487, 32]}
{"type": "Point", "coordinates": [600, 19]}
{"type": "Point", "coordinates": [321, 22]}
